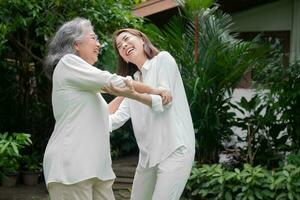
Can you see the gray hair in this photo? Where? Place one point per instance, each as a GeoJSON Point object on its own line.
{"type": "Point", "coordinates": [64, 40]}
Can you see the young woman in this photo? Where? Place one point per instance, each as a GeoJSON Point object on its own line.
{"type": "Point", "coordinates": [164, 134]}
{"type": "Point", "coordinates": [77, 162]}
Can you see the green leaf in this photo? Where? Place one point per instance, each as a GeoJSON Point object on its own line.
{"type": "Point", "coordinates": [249, 179]}
{"type": "Point", "coordinates": [15, 148]}
{"type": "Point", "coordinates": [228, 196]}
{"type": "Point", "coordinates": [3, 148]}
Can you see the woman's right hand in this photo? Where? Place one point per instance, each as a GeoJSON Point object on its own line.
{"type": "Point", "coordinates": [127, 91]}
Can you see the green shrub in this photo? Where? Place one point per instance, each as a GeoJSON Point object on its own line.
{"type": "Point", "coordinates": [294, 159]}
{"type": "Point", "coordinates": [284, 98]}
{"type": "Point", "coordinates": [10, 145]}
{"type": "Point", "coordinates": [265, 143]}
{"type": "Point", "coordinates": [32, 162]}
{"type": "Point", "coordinates": [286, 183]}
{"type": "Point", "coordinates": [216, 182]}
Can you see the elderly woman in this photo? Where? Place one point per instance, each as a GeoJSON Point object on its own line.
{"type": "Point", "coordinates": [77, 162]}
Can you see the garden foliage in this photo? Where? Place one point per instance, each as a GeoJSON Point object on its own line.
{"type": "Point", "coordinates": [250, 183]}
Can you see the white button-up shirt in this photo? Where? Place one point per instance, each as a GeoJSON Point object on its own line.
{"type": "Point", "coordinates": [159, 130]}
{"type": "Point", "coordinates": [79, 147]}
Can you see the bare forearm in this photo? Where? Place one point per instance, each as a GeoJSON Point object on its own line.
{"type": "Point", "coordinates": [143, 98]}
{"type": "Point", "coordinates": [139, 92]}
{"type": "Point", "coordinates": [114, 104]}
{"type": "Point", "coordinates": [143, 88]}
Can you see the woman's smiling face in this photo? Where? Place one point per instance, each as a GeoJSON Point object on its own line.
{"type": "Point", "coordinates": [130, 47]}
{"type": "Point", "coordinates": [88, 48]}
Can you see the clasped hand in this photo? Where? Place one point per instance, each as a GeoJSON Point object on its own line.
{"type": "Point", "coordinates": [129, 92]}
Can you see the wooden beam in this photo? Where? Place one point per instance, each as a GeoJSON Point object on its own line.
{"type": "Point", "coordinates": [151, 7]}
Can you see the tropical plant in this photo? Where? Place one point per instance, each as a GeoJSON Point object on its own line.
{"type": "Point", "coordinates": [32, 162]}
{"type": "Point", "coordinates": [286, 183]}
{"type": "Point", "coordinates": [212, 62]}
{"type": "Point", "coordinates": [294, 159]}
{"type": "Point", "coordinates": [218, 186]}
{"type": "Point", "coordinates": [283, 84]}
{"type": "Point", "coordinates": [249, 183]}
{"type": "Point", "coordinates": [31, 168]}
{"type": "Point", "coordinates": [277, 115]}
{"type": "Point", "coordinates": [10, 146]}
{"type": "Point", "coordinates": [265, 142]}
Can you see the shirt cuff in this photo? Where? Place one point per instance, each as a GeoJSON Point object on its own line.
{"type": "Point", "coordinates": [156, 103]}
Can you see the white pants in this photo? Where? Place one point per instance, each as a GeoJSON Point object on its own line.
{"type": "Point", "coordinates": [165, 181]}
{"type": "Point", "coordinates": [90, 189]}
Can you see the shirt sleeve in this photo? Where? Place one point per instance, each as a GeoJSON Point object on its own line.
{"type": "Point", "coordinates": [121, 116]}
{"type": "Point", "coordinates": [167, 71]}
{"type": "Point", "coordinates": [157, 105]}
{"type": "Point", "coordinates": [83, 76]}
{"type": "Point", "coordinates": [166, 76]}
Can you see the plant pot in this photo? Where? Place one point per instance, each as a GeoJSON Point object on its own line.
{"type": "Point", "coordinates": [30, 178]}
{"type": "Point", "coordinates": [9, 180]}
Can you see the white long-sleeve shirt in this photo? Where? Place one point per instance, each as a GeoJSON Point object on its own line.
{"type": "Point", "coordinates": [158, 134]}
{"type": "Point", "coordinates": [79, 147]}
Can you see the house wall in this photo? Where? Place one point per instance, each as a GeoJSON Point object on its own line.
{"type": "Point", "coordinates": [275, 16]}
{"type": "Point", "coordinates": [295, 34]}
{"type": "Point", "coordinates": [282, 15]}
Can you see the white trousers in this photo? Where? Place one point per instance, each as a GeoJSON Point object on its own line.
{"type": "Point", "coordinates": [90, 189]}
{"type": "Point", "coordinates": [166, 180]}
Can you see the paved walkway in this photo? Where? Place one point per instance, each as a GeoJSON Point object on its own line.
{"type": "Point", "coordinates": [124, 169]}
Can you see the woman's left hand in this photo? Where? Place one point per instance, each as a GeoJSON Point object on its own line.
{"type": "Point", "coordinates": [165, 95]}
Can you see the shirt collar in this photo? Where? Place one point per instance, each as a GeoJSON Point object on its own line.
{"type": "Point", "coordinates": [146, 65]}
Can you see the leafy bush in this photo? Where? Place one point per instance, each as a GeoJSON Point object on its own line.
{"type": "Point", "coordinates": [264, 140]}
{"type": "Point", "coordinates": [294, 159]}
{"type": "Point", "coordinates": [32, 162]}
{"type": "Point", "coordinates": [215, 182]}
{"type": "Point", "coordinates": [283, 83]}
{"type": "Point", "coordinates": [10, 146]}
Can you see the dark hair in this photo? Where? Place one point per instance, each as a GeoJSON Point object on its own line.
{"type": "Point", "coordinates": [124, 68]}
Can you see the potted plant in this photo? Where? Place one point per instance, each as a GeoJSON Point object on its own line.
{"type": "Point", "coordinates": [32, 168]}
{"type": "Point", "coordinates": [10, 144]}
{"type": "Point", "coordinates": [9, 171]}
